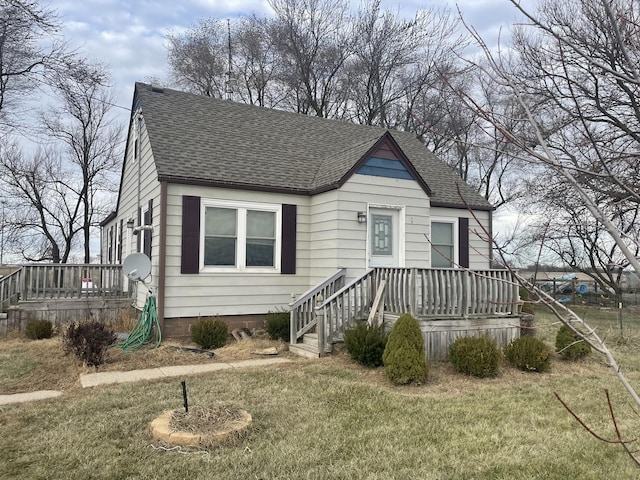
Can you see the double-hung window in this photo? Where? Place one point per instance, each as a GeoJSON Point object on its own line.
{"type": "Point", "coordinates": [443, 248]}
{"type": "Point", "coordinates": [241, 236]}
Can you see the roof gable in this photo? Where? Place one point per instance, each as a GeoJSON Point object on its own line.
{"type": "Point", "coordinates": [201, 140]}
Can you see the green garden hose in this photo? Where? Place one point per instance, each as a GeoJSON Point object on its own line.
{"type": "Point", "coordinates": [146, 330]}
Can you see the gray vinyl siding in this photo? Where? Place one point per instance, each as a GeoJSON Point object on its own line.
{"type": "Point", "coordinates": [230, 293]}
{"type": "Point", "coordinates": [338, 240]}
{"type": "Point", "coordinates": [128, 204]}
{"type": "Point", "coordinates": [479, 249]}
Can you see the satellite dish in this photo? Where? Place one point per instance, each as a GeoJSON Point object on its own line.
{"type": "Point", "coordinates": [136, 266]}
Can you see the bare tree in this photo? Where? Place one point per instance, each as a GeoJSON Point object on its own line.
{"type": "Point", "coordinates": [31, 49]}
{"type": "Point", "coordinates": [565, 227]}
{"type": "Point", "coordinates": [314, 42]}
{"type": "Point", "coordinates": [579, 102]}
{"type": "Point", "coordinates": [42, 220]}
{"type": "Point", "coordinates": [396, 61]}
{"type": "Point", "coordinates": [198, 59]}
{"type": "Point", "coordinates": [581, 133]}
{"type": "Point", "coordinates": [255, 62]}
{"type": "Point", "coordinates": [89, 141]}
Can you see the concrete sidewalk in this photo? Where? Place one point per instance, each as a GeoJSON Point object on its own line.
{"type": "Point", "coordinates": [106, 378]}
{"type": "Point", "coordinates": [28, 396]}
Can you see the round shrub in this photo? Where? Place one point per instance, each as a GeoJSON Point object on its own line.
{"type": "Point", "coordinates": [209, 332]}
{"type": "Point", "coordinates": [366, 343]}
{"type": "Point", "coordinates": [38, 329]}
{"type": "Point", "coordinates": [477, 356]}
{"type": "Point", "coordinates": [88, 341]}
{"type": "Point", "coordinates": [529, 354]}
{"type": "Point", "coordinates": [278, 325]}
{"type": "Point", "coordinates": [569, 344]}
{"type": "Point", "coordinates": [404, 358]}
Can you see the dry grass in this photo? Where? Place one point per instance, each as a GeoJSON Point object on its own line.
{"type": "Point", "coordinates": [332, 419]}
{"type": "Point", "coordinates": [28, 365]}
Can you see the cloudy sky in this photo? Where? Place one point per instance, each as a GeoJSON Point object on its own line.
{"type": "Point", "coordinates": [130, 36]}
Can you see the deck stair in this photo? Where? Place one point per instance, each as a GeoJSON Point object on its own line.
{"type": "Point", "coordinates": [320, 316]}
{"type": "Point", "coordinates": [308, 348]}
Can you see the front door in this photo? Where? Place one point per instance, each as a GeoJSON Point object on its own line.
{"type": "Point", "coordinates": [383, 238]}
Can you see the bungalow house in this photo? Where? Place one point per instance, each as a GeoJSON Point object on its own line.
{"type": "Point", "coordinates": [242, 209]}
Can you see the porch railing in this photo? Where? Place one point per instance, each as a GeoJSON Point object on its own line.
{"type": "Point", "coordinates": [54, 281]}
{"type": "Point", "coordinates": [424, 293]}
{"type": "Point", "coordinates": [303, 317]}
{"type": "Point", "coordinates": [449, 292]}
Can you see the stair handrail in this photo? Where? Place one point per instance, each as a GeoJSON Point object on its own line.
{"type": "Point", "coordinates": [327, 311]}
{"type": "Point", "coordinates": [8, 295]}
{"type": "Point", "coordinates": [302, 313]}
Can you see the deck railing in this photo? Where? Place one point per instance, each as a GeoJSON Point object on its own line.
{"type": "Point", "coordinates": [303, 317]}
{"type": "Point", "coordinates": [425, 293]}
{"type": "Point", "coordinates": [49, 281]}
{"type": "Point", "coordinates": [449, 292]}
{"type": "Point", "coordinates": [338, 312]}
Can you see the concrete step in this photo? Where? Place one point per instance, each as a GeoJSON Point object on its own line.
{"type": "Point", "coordinates": [304, 350]}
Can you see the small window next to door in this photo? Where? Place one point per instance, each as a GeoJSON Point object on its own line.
{"type": "Point", "coordinates": [442, 244]}
{"type": "Point", "coordinates": [381, 235]}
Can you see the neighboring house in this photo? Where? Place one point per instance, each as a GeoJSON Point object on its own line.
{"type": "Point", "coordinates": [251, 206]}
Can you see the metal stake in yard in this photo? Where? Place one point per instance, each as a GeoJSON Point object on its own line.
{"type": "Point", "coordinates": [184, 396]}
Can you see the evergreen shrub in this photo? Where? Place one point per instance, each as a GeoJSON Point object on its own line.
{"type": "Point", "coordinates": [529, 354]}
{"type": "Point", "coordinates": [477, 356]}
{"type": "Point", "coordinates": [278, 323]}
{"type": "Point", "coordinates": [404, 357]}
{"type": "Point", "coordinates": [569, 345]}
{"type": "Point", "coordinates": [88, 341]}
{"type": "Point", "coordinates": [38, 329]}
{"type": "Point", "coordinates": [209, 332]}
{"type": "Point", "coordinates": [366, 343]}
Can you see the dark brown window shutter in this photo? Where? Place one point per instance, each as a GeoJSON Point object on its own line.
{"type": "Point", "coordinates": [110, 248]}
{"type": "Point", "coordinates": [288, 253]}
{"type": "Point", "coordinates": [120, 241]}
{"type": "Point", "coordinates": [148, 234]}
{"type": "Point", "coordinates": [463, 242]}
{"type": "Point", "coordinates": [190, 261]}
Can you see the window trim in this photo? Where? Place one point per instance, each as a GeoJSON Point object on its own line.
{"type": "Point", "coordinates": [241, 235]}
{"type": "Point", "coordinates": [456, 242]}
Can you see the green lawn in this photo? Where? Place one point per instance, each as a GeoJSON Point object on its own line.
{"type": "Point", "coordinates": [329, 419]}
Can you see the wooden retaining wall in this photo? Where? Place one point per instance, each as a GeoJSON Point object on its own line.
{"type": "Point", "coordinates": [439, 334]}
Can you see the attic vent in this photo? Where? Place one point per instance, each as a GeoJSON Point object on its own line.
{"type": "Point", "coordinates": [157, 88]}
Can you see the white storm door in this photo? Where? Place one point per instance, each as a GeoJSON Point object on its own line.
{"type": "Point", "coordinates": [383, 238]}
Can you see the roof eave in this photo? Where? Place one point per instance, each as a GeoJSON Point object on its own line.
{"type": "Point", "coordinates": [235, 185]}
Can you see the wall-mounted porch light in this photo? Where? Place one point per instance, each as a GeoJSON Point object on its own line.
{"type": "Point", "coordinates": [362, 217]}
{"type": "Point", "coordinates": [130, 223]}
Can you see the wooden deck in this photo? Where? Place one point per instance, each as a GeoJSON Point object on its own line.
{"type": "Point", "coordinates": [447, 302]}
{"type": "Point", "coordinates": [61, 293]}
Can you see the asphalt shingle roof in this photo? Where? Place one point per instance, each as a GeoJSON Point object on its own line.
{"type": "Point", "coordinates": [197, 139]}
